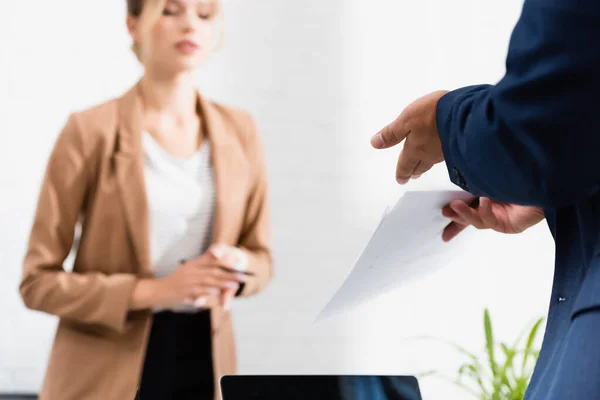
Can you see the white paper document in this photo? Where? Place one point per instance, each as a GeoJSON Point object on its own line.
{"type": "Point", "coordinates": [406, 245]}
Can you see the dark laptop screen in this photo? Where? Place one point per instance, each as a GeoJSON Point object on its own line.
{"type": "Point", "coordinates": [316, 387]}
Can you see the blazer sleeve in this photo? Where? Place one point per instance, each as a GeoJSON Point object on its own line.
{"type": "Point", "coordinates": [532, 138]}
{"type": "Point", "coordinates": [256, 231]}
{"type": "Point", "coordinates": [88, 298]}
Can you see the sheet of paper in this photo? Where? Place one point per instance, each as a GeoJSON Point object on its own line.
{"type": "Point", "coordinates": [406, 245]}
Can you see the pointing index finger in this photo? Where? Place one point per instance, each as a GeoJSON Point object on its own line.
{"type": "Point", "coordinates": [391, 134]}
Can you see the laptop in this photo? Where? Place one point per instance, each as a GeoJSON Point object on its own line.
{"type": "Point", "coordinates": [319, 387]}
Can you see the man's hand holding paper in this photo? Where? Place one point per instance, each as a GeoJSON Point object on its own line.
{"type": "Point", "coordinates": [416, 126]}
{"type": "Point", "coordinates": [489, 214]}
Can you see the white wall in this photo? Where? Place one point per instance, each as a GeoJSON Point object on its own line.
{"type": "Point", "coordinates": [320, 77]}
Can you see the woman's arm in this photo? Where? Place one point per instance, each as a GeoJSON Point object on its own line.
{"type": "Point", "coordinates": [91, 298]}
{"type": "Point", "coordinates": [145, 294]}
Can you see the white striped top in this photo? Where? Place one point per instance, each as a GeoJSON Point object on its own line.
{"type": "Point", "coordinates": [181, 202]}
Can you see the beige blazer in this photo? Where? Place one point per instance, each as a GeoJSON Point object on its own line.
{"type": "Point", "coordinates": [95, 176]}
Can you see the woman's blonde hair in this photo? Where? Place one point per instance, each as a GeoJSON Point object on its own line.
{"type": "Point", "coordinates": [149, 11]}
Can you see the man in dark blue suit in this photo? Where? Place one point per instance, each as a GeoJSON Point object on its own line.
{"type": "Point", "coordinates": [529, 147]}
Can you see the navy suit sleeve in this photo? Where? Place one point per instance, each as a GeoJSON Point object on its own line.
{"type": "Point", "coordinates": [534, 137]}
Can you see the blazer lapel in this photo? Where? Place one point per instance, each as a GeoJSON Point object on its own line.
{"type": "Point", "coordinates": [230, 170]}
{"type": "Point", "coordinates": [129, 165]}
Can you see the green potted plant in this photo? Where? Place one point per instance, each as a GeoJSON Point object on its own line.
{"type": "Point", "coordinates": [503, 371]}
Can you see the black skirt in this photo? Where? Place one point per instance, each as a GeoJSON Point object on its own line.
{"type": "Point", "coordinates": [178, 363]}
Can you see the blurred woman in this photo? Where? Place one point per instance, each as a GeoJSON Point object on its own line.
{"type": "Point", "coordinates": [170, 192]}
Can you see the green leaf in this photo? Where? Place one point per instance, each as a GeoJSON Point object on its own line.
{"type": "Point", "coordinates": [476, 375]}
{"type": "Point", "coordinates": [476, 362]}
{"type": "Point", "coordinates": [503, 374]}
{"type": "Point", "coordinates": [489, 340]}
{"type": "Point", "coordinates": [425, 374]}
{"type": "Point", "coordinates": [521, 334]}
{"type": "Point", "coordinates": [530, 341]}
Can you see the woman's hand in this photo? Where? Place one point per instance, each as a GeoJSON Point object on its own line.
{"type": "Point", "coordinates": [197, 281]}
{"type": "Point", "coordinates": [490, 214]}
{"type": "Point", "coordinates": [203, 282]}
{"type": "Point", "coordinates": [234, 259]}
